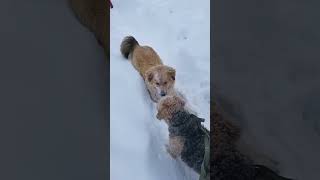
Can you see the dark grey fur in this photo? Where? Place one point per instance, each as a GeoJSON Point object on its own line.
{"type": "Point", "coordinates": [127, 46]}
{"type": "Point", "coordinates": [227, 162]}
{"type": "Point", "coordinates": [232, 165]}
{"type": "Point", "coordinates": [189, 127]}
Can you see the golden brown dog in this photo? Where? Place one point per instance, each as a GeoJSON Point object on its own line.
{"type": "Point", "coordinates": [158, 77]}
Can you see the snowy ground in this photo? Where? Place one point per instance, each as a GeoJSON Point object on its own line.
{"type": "Point", "coordinates": [179, 31]}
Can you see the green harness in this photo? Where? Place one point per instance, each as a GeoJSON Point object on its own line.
{"type": "Point", "coordinates": [205, 167]}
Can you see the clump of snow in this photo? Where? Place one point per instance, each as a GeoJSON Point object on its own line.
{"type": "Point", "coordinates": [180, 32]}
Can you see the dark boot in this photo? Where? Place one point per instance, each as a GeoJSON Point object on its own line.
{"type": "Point", "coordinates": [264, 173]}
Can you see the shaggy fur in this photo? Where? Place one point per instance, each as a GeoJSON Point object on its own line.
{"type": "Point", "coordinates": [159, 78]}
{"type": "Point", "coordinates": [168, 106]}
{"type": "Point", "coordinates": [186, 134]}
{"type": "Point", "coordinates": [227, 163]}
{"type": "Point", "coordinates": [94, 14]}
{"type": "Point", "coordinates": [188, 127]}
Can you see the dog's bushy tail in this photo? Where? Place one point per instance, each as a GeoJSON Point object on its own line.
{"type": "Point", "coordinates": [127, 46]}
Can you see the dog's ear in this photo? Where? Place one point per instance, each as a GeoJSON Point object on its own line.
{"type": "Point", "coordinates": [179, 100]}
{"type": "Point", "coordinates": [149, 76]}
{"type": "Point", "coordinates": [162, 110]}
{"type": "Point", "coordinates": [172, 73]}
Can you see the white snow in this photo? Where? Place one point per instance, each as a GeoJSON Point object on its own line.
{"type": "Point", "coordinates": [180, 32]}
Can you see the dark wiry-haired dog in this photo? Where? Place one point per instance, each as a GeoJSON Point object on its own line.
{"type": "Point", "coordinates": [186, 134]}
{"type": "Point", "coordinates": [227, 163]}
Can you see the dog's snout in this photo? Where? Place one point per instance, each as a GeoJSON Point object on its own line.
{"type": "Point", "coordinates": [162, 93]}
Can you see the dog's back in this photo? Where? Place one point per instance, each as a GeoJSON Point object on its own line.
{"type": "Point", "coordinates": [189, 127]}
{"type": "Point", "coordinates": [142, 57]}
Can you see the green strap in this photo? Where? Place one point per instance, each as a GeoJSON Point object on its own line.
{"type": "Point", "coordinates": [205, 167]}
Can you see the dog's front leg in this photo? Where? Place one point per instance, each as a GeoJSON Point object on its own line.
{"type": "Point", "coordinates": [152, 95]}
{"type": "Point", "coordinates": [175, 146]}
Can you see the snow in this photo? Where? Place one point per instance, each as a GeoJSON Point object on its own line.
{"type": "Point", "coordinates": [180, 32]}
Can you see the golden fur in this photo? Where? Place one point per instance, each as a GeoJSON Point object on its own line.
{"type": "Point", "coordinates": [143, 58]}
{"type": "Point", "coordinates": [175, 146]}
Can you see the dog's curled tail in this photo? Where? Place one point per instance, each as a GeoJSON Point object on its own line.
{"type": "Point", "coordinates": [127, 46]}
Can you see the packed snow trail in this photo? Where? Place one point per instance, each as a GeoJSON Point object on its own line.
{"type": "Point", "coordinates": [180, 32]}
